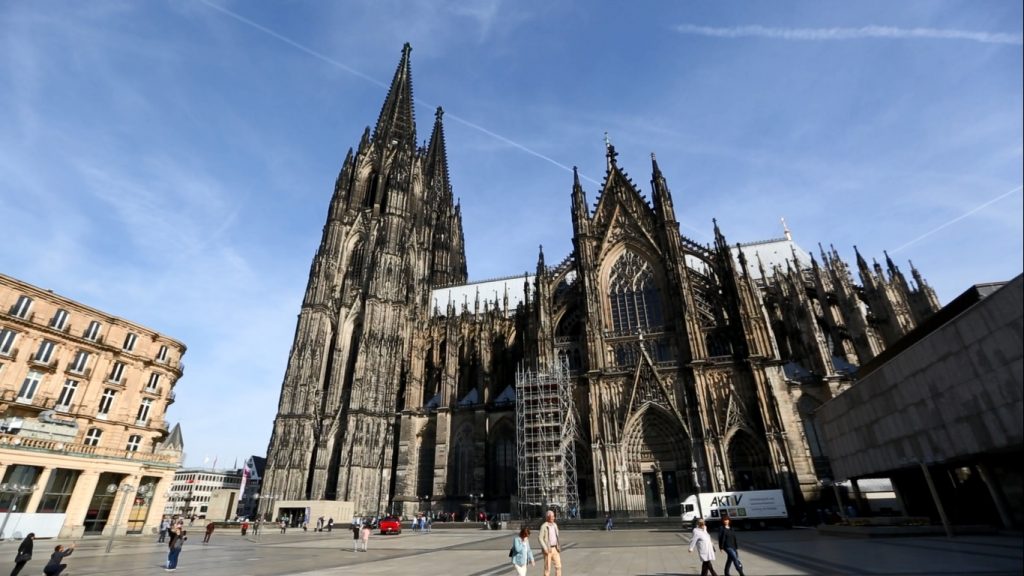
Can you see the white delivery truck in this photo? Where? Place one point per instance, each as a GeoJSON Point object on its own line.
{"type": "Point", "coordinates": [747, 509]}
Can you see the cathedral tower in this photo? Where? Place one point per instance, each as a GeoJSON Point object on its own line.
{"type": "Point", "coordinates": [392, 233]}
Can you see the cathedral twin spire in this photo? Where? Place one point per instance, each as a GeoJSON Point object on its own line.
{"type": "Point", "coordinates": [397, 121]}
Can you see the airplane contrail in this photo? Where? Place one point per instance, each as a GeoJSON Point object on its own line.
{"type": "Point", "coordinates": [958, 218]}
{"type": "Point", "coordinates": [372, 80]}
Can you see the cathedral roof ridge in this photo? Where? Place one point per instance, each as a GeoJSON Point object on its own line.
{"type": "Point", "coordinates": [768, 241]}
{"type": "Point", "coordinates": [483, 281]}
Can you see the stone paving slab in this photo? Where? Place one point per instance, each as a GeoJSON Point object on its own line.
{"type": "Point", "coordinates": [586, 553]}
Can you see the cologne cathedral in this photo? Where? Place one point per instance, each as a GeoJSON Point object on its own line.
{"type": "Point", "coordinates": [693, 367]}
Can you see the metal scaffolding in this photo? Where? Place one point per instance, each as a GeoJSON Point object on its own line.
{"type": "Point", "coordinates": [545, 435]}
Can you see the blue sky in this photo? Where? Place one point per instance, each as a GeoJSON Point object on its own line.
{"type": "Point", "coordinates": [172, 162]}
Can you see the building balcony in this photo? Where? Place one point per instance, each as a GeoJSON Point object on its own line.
{"type": "Point", "coordinates": [86, 373]}
{"type": "Point", "coordinates": [26, 318]}
{"type": "Point", "coordinates": [58, 447]}
{"type": "Point", "coordinates": [37, 400]}
{"type": "Point", "coordinates": [49, 364]}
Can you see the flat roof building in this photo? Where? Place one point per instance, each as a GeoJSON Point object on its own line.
{"type": "Point", "coordinates": [941, 413]}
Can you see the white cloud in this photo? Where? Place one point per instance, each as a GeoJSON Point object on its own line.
{"type": "Point", "coordinates": [890, 32]}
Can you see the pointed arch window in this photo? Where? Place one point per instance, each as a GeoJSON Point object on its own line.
{"type": "Point", "coordinates": [634, 298]}
{"type": "Point", "coordinates": [355, 263]}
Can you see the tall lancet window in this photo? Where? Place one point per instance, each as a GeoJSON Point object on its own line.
{"type": "Point", "coordinates": [633, 294]}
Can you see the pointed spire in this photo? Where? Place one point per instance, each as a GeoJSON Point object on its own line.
{"type": "Point", "coordinates": [437, 158]}
{"type": "Point", "coordinates": [580, 211]}
{"type": "Point", "coordinates": [861, 263]}
{"type": "Point", "coordinates": [760, 266]}
{"type": "Point", "coordinates": [396, 124]}
{"type": "Point", "coordinates": [662, 195]}
{"type": "Point", "coordinates": [918, 279]}
{"type": "Point", "coordinates": [890, 264]}
{"type": "Point", "coordinates": [540, 260]}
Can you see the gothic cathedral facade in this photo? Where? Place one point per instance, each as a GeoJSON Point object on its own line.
{"type": "Point", "coordinates": [694, 367]}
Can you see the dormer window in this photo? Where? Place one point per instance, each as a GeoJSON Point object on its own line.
{"type": "Point", "coordinates": [59, 320]}
{"type": "Point", "coordinates": [93, 331]}
{"type": "Point", "coordinates": [22, 306]}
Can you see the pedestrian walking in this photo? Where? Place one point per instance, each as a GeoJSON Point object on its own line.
{"type": "Point", "coordinates": [245, 527]}
{"type": "Point", "coordinates": [701, 540]}
{"type": "Point", "coordinates": [56, 564]}
{"type": "Point", "coordinates": [165, 526]}
{"type": "Point", "coordinates": [24, 553]}
{"type": "Point", "coordinates": [550, 545]}
{"type": "Point", "coordinates": [364, 538]}
{"type": "Point", "coordinates": [283, 525]}
{"type": "Point", "coordinates": [355, 536]}
{"type": "Point", "coordinates": [330, 524]}
{"type": "Point", "coordinates": [174, 550]}
{"type": "Point", "coordinates": [209, 532]}
{"type": "Point", "coordinates": [521, 552]}
{"type": "Point", "coordinates": [727, 543]}
{"type": "Point", "coordinates": [608, 524]}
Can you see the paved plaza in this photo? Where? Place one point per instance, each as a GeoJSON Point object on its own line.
{"type": "Point", "coordinates": [485, 553]}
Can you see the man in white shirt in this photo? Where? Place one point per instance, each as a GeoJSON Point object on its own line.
{"type": "Point", "coordinates": [549, 544]}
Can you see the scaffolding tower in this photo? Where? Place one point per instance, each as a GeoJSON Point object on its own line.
{"type": "Point", "coordinates": [545, 436]}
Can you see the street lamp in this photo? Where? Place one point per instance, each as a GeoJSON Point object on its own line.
{"type": "Point", "coordinates": [126, 489]}
{"type": "Point", "coordinates": [16, 491]}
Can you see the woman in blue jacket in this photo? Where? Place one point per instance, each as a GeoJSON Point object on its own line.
{"type": "Point", "coordinates": [521, 552]}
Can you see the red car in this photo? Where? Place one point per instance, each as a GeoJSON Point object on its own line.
{"type": "Point", "coordinates": [390, 525]}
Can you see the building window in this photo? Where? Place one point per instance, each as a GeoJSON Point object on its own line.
{"type": "Point", "coordinates": [129, 342]}
{"type": "Point", "coordinates": [67, 394]}
{"type": "Point", "coordinates": [134, 441]}
{"type": "Point", "coordinates": [634, 298]}
{"type": "Point", "coordinates": [107, 401]}
{"type": "Point", "coordinates": [117, 372]}
{"type": "Point", "coordinates": [154, 381]}
{"type": "Point", "coordinates": [92, 437]}
{"type": "Point", "coordinates": [7, 337]}
{"type": "Point", "coordinates": [59, 320]}
{"type": "Point", "coordinates": [93, 331]}
{"type": "Point", "coordinates": [21, 307]}
{"type": "Point", "coordinates": [80, 363]}
{"type": "Point", "coordinates": [18, 474]}
{"type": "Point", "coordinates": [29, 386]}
{"type": "Point", "coordinates": [58, 491]}
{"type": "Point", "coordinates": [142, 418]}
{"type": "Point", "coordinates": [161, 356]}
{"type": "Point", "coordinates": [44, 353]}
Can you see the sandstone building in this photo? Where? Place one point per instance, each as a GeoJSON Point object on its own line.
{"type": "Point", "coordinates": [694, 366]}
{"type": "Point", "coordinates": [83, 397]}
